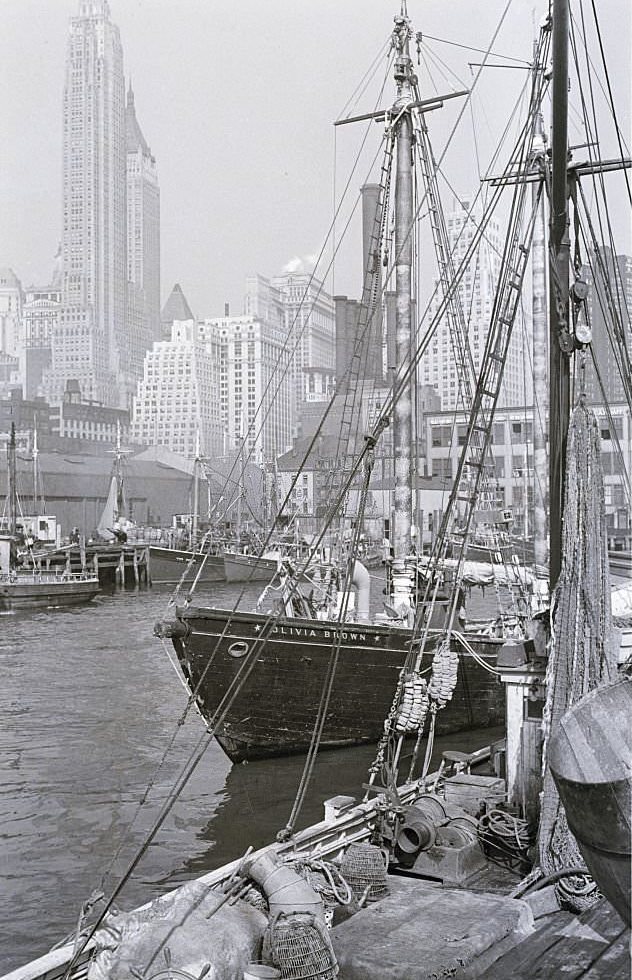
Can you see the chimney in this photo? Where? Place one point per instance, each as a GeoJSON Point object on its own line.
{"type": "Point", "coordinates": [226, 309]}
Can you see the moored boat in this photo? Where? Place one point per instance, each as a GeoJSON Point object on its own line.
{"type": "Point", "coordinates": [241, 567]}
{"type": "Point", "coordinates": [590, 756]}
{"type": "Point", "coordinates": [169, 566]}
{"type": "Point", "coordinates": [291, 658]}
{"type": "Point", "coordinates": [23, 584]}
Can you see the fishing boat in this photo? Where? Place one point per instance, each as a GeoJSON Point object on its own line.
{"type": "Point", "coordinates": [239, 566]}
{"type": "Point", "coordinates": [258, 676]}
{"type": "Point", "coordinates": [26, 585]}
{"type": "Point", "coordinates": [200, 561]}
{"type": "Point", "coordinates": [419, 879]}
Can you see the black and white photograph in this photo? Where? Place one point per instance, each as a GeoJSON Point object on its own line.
{"type": "Point", "coordinates": [315, 489]}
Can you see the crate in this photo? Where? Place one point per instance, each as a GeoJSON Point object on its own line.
{"type": "Point", "coordinates": [468, 791]}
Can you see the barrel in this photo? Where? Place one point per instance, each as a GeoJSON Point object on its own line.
{"type": "Point", "coordinates": [590, 756]}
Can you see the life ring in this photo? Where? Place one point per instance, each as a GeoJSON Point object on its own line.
{"type": "Point", "coordinates": [238, 649]}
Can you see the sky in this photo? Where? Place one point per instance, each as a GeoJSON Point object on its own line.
{"type": "Point", "coordinates": [237, 99]}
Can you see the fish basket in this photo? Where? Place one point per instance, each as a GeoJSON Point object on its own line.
{"type": "Point", "coordinates": [301, 950]}
{"type": "Point", "coordinates": [363, 867]}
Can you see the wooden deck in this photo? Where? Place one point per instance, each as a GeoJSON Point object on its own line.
{"type": "Point", "coordinates": [592, 946]}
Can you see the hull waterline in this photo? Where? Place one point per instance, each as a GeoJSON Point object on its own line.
{"type": "Point", "coordinates": [167, 566]}
{"type": "Point", "coordinates": [49, 593]}
{"type": "Point", "coordinates": [274, 709]}
{"type": "Point", "coordinates": [249, 568]}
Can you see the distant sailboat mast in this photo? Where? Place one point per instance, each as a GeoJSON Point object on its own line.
{"type": "Point", "coordinates": [193, 536]}
{"type": "Point", "coordinates": [12, 495]}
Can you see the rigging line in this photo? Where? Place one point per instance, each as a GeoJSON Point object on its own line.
{"type": "Point", "coordinates": [288, 364]}
{"type": "Point", "coordinates": [468, 47]}
{"type": "Point", "coordinates": [620, 140]}
{"type": "Point", "coordinates": [594, 133]}
{"type": "Point", "coordinates": [348, 482]}
{"type": "Point", "coordinates": [264, 415]}
{"type": "Point", "coordinates": [613, 430]}
{"type": "Point", "coordinates": [371, 70]}
{"type": "Point", "coordinates": [620, 351]}
{"type": "Point", "coordinates": [621, 294]}
{"type": "Point", "coordinates": [462, 111]}
{"type": "Point", "coordinates": [477, 154]}
{"type": "Point", "coordinates": [443, 70]}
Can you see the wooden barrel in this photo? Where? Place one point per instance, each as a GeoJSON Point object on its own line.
{"type": "Point", "coordinates": [590, 756]}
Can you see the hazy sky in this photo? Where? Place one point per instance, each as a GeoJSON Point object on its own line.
{"type": "Point", "coordinates": [237, 99]}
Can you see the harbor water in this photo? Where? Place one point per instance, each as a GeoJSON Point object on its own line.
{"type": "Point", "coordinates": [94, 722]}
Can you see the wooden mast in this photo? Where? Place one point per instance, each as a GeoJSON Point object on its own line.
{"type": "Point", "coordinates": [560, 341]}
{"type": "Point", "coordinates": [402, 412]}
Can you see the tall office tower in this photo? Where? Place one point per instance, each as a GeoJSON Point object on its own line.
{"type": "Point", "coordinates": [255, 379]}
{"type": "Point", "coordinates": [97, 340]}
{"type": "Point", "coordinates": [41, 318]}
{"type": "Point", "coordinates": [310, 327]}
{"type": "Point", "coordinates": [609, 303]}
{"type": "Point", "coordinates": [177, 395]}
{"type": "Point", "coordinates": [11, 306]}
{"type": "Point", "coordinates": [476, 295]}
{"type": "Point", "coordinates": [143, 237]}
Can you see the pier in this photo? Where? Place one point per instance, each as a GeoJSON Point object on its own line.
{"type": "Point", "coordinates": [117, 565]}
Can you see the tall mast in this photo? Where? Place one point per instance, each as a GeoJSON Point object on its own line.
{"type": "Point", "coordinates": [12, 483]}
{"type": "Point", "coordinates": [402, 412]}
{"type": "Point", "coordinates": [540, 365]}
{"type": "Point", "coordinates": [35, 472]}
{"type": "Point", "coordinates": [560, 341]}
{"type": "Point", "coordinates": [196, 492]}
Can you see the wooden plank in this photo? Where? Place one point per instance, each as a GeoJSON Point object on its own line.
{"type": "Point", "coordinates": [603, 919]}
{"type": "Point", "coordinates": [517, 963]}
{"type": "Point", "coordinates": [579, 944]}
{"type": "Point", "coordinates": [615, 963]}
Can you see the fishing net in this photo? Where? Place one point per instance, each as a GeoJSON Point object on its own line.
{"type": "Point", "coordinates": [582, 652]}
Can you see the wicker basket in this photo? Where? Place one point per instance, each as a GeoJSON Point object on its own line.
{"type": "Point", "coordinates": [364, 867]}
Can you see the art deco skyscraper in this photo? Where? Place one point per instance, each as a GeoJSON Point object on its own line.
{"type": "Point", "coordinates": [143, 240]}
{"type": "Point", "coordinates": [100, 326]}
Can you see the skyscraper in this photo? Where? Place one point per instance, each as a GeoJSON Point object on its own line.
{"type": "Point", "coordinates": [609, 309]}
{"type": "Point", "coordinates": [99, 338]}
{"type": "Point", "coordinates": [143, 234]}
{"type": "Point", "coordinates": [476, 295]}
{"type": "Point", "coordinates": [177, 401]}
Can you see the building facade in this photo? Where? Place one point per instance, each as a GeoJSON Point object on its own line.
{"type": "Point", "coordinates": [476, 297]}
{"type": "Point", "coordinates": [11, 310]}
{"type": "Point", "coordinates": [177, 400]}
{"type": "Point", "coordinates": [512, 454]}
{"type": "Point", "coordinates": [256, 385]}
{"type": "Point", "coordinates": [143, 236]}
{"type": "Point", "coordinates": [308, 311]}
{"type": "Point", "coordinates": [41, 309]}
{"type": "Point", "coordinates": [609, 304]}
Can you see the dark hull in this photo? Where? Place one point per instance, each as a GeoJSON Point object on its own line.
{"type": "Point", "coordinates": [167, 565]}
{"type": "Point", "coordinates": [248, 568]}
{"type": "Point", "coordinates": [27, 593]}
{"type": "Point", "coordinates": [273, 713]}
{"type": "Point", "coordinates": [590, 757]}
